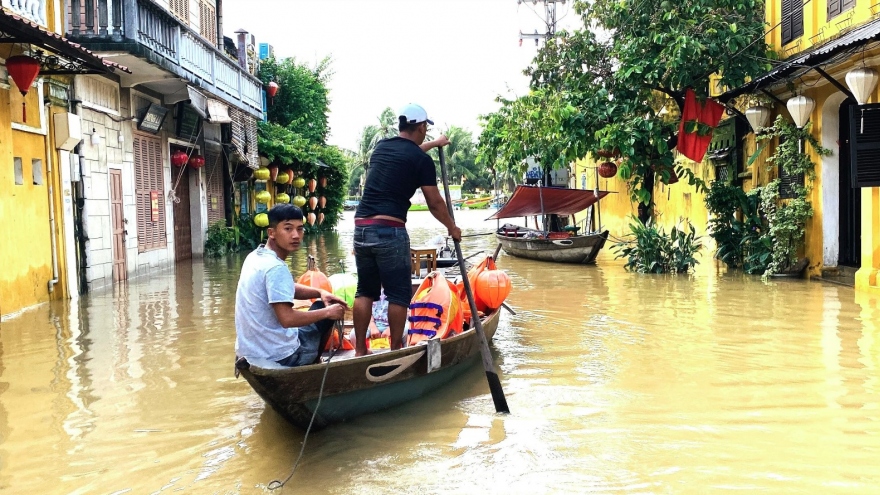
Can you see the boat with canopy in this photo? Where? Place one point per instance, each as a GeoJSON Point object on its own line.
{"type": "Point", "coordinates": [553, 242]}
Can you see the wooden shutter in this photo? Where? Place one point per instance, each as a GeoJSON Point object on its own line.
{"type": "Point", "coordinates": [180, 8]}
{"type": "Point", "coordinates": [864, 144]}
{"type": "Point", "coordinates": [834, 8]}
{"type": "Point", "coordinates": [792, 20]}
{"type": "Point", "coordinates": [149, 177]}
{"type": "Point", "coordinates": [208, 22]}
{"type": "Point", "coordinates": [214, 188]}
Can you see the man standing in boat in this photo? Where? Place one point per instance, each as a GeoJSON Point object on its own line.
{"type": "Point", "coordinates": [398, 166]}
{"type": "Point", "coordinates": [266, 324]}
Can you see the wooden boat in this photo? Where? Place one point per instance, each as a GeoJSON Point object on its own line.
{"type": "Point", "coordinates": [536, 245]}
{"type": "Point", "coordinates": [557, 246]}
{"type": "Point", "coordinates": [357, 386]}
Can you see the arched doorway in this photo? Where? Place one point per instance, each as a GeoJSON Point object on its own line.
{"type": "Point", "coordinates": [840, 202]}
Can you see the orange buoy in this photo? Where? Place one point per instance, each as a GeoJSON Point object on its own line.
{"type": "Point", "coordinates": [315, 278]}
{"type": "Point", "coordinates": [435, 310]}
{"type": "Point", "coordinates": [493, 286]}
{"type": "Point", "coordinates": [472, 275]}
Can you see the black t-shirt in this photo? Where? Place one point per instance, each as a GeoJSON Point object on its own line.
{"type": "Point", "coordinates": [397, 168]}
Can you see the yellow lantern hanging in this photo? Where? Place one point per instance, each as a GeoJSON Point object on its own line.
{"type": "Point", "coordinates": [299, 201]}
{"type": "Point", "coordinates": [299, 182]}
{"type": "Point", "coordinates": [261, 220]}
{"type": "Point", "coordinates": [263, 197]}
{"type": "Point", "coordinates": [262, 173]}
{"type": "Point", "coordinates": [282, 178]}
{"type": "Point", "coordinates": [282, 198]}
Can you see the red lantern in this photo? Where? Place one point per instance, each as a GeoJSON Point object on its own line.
{"type": "Point", "coordinates": [290, 176]}
{"type": "Point", "coordinates": [493, 287]}
{"type": "Point", "coordinates": [320, 218]}
{"type": "Point", "coordinates": [24, 71]}
{"type": "Point", "coordinates": [311, 217]}
{"type": "Point", "coordinates": [178, 158]}
{"type": "Point", "coordinates": [322, 201]}
{"type": "Point", "coordinates": [197, 161]}
{"type": "Point", "coordinates": [273, 172]}
{"type": "Point", "coordinates": [272, 89]}
{"type": "Point", "coordinates": [313, 203]}
{"type": "Point", "coordinates": [313, 184]}
{"type": "Point", "coordinates": [608, 170]}
{"type": "Point", "coordinates": [323, 182]}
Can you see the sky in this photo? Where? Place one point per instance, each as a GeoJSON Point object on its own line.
{"type": "Point", "coordinates": [453, 57]}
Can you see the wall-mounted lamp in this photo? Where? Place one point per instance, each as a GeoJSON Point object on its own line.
{"type": "Point", "coordinates": [95, 139]}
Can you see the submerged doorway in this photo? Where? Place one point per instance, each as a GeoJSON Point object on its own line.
{"type": "Point", "coordinates": [850, 218]}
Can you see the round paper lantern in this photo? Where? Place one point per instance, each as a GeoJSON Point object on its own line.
{"type": "Point", "coordinates": [299, 182]}
{"type": "Point", "coordinates": [313, 202]}
{"type": "Point", "coordinates": [178, 158]}
{"type": "Point", "coordinates": [23, 70]}
{"type": "Point", "coordinates": [312, 218]}
{"type": "Point", "coordinates": [493, 287]}
{"type": "Point", "coordinates": [282, 178]}
{"type": "Point", "coordinates": [322, 201]}
{"type": "Point", "coordinates": [800, 108]}
{"type": "Point", "coordinates": [758, 117]}
{"type": "Point", "coordinates": [313, 184]}
{"type": "Point", "coordinates": [862, 82]}
{"type": "Point", "coordinates": [299, 201]}
{"type": "Point", "coordinates": [320, 218]}
{"type": "Point", "coordinates": [282, 198]}
{"type": "Point", "coordinates": [272, 89]}
{"type": "Point", "coordinates": [261, 220]}
{"type": "Point", "coordinates": [344, 286]}
{"type": "Point", "coordinates": [261, 173]}
{"type": "Point", "coordinates": [197, 161]}
{"type": "Point", "coordinates": [290, 176]}
{"type": "Point", "coordinates": [608, 170]}
{"type": "Point", "coordinates": [323, 182]}
{"type": "Point", "coordinates": [263, 197]}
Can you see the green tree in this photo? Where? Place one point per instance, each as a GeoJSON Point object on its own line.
{"type": "Point", "coordinates": [385, 127]}
{"type": "Point", "coordinates": [607, 91]}
{"type": "Point", "coordinates": [461, 161]}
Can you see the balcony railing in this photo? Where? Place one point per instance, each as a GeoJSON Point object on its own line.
{"type": "Point", "coordinates": [148, 24]}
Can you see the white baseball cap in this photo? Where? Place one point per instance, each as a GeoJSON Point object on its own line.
{"type": "Point", "coordinates": [414, 114]}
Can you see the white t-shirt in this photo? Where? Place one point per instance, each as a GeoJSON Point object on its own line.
{"type": "Point", "coordinates": [265, 279]}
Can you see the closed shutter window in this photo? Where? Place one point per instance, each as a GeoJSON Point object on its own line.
{"type": "Point", "coordinates": [208, 22]}
{"type": "Point", "coordinates": [149, 183]}
{"type": "Point", "coordinates": [214, 172]}
{"type": "Point", "coordinates": [837, 7]}
{"type": "Point", "coordinates": [865, 144]}
{"type": "Point", "coordinates": [792, 20]}
{"type": "Point", "coordinates": [180, 8]}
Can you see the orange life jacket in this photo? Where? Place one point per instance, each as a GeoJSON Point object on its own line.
{"type": "Point", "coordinates": [435, 310]}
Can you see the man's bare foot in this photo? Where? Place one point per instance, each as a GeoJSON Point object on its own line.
{"type": "Point", "coordinates": [358, 352]}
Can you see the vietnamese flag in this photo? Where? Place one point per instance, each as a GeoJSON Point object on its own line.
{"type": "Point", "coordinates": [692, 144]}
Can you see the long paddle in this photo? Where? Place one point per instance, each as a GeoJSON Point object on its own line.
{"type": "Point", "coordinates": [491, 376]}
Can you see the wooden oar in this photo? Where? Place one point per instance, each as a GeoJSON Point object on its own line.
{"type": "Point", "coordinates": [491, 375]}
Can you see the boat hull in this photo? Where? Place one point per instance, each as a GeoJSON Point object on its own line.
{"type": "Point", "coordinates": [358, 386]}
{"type": "Point", "coordinates": [574, 249]}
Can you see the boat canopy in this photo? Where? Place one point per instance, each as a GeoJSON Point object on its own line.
{"type": "Point", "coordinates": [533, 200]}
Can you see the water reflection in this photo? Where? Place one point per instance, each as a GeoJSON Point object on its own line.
{"type": "Point", "coordinates": [617, 382]}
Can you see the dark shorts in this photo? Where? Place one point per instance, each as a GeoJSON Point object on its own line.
{"type": "Point", "coordinates": [383, 261]}
{"type": "Point", "coordinates": [312, 339]}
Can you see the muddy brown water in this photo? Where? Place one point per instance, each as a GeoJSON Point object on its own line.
{"type": "Point", "coordinates": [618, 383]}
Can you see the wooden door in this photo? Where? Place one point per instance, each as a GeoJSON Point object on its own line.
{"type": "Point", "coordinates": [214, 183]}
{"type": "Point", "coordinates": [850, 197]}
{"type": "Point", "coordinates": [117, 220]}
{"type": "Point", "coordinates": [182, 225]}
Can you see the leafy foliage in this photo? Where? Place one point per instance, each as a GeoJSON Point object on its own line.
{"type": "Point", "coordinates": [302, 101]}
{"type": "Point", "coordinates": [738, 228]}
{"type": "Point", "coordinates": [219, 240]}
{"type": "Point", "coordinates": [607, 91]}
{"type": "Point", "coordinates": [653, 251]}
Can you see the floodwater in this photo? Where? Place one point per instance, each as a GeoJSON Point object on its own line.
{"type": "Point", "coordinates": [618, 383]}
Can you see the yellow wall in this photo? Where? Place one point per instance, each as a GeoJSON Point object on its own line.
{"type": "Point", "coordinates": [673, 203]}
{"type": "Point", "coordinates": [25, 245]}
{"type": "Point", "coordinates": [817, 28]}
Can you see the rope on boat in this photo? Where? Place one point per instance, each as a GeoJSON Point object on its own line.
{"type": "Point", "coordinates": [275, 484]}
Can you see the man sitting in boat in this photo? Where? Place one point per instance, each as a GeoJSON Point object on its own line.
{"type": "Point", "coordinates": [266, 325]}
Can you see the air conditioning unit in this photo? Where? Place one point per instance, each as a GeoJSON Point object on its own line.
{"type": "Point", "coordinates": [68, 131]}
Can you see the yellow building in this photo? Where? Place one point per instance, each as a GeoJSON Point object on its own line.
{"type": "Point", "coordinates": [827, 48]}
{"type": "Point", "coordinates": [33, 195]}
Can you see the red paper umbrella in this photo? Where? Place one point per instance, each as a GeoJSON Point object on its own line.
{"type": "Point", "coordinates": [24, 71]}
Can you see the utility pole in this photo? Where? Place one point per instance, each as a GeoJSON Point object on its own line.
{"type": "Point", "coordinates": [549, 21]}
